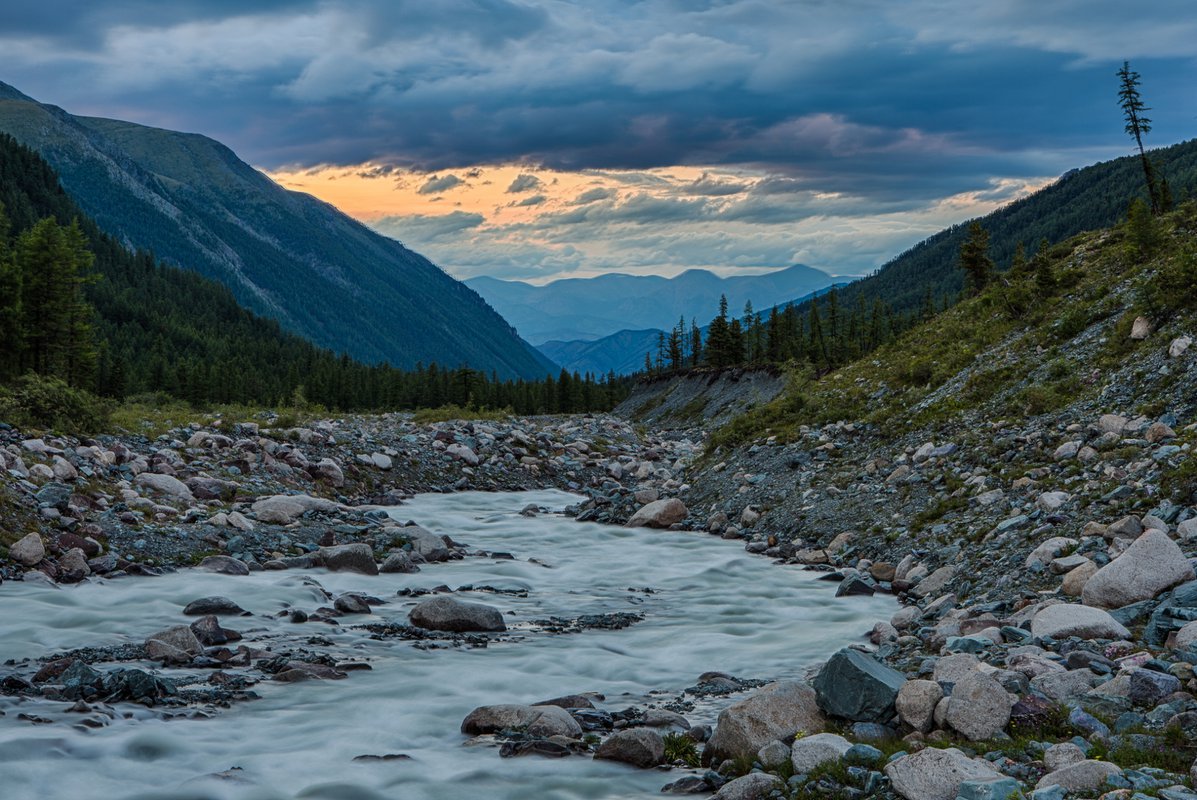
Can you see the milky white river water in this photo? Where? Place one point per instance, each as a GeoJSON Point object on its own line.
{"type": "Point", "coordinates": [714, 608]}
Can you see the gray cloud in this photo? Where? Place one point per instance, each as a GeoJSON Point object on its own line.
{"type": "Point", "coordinates": [848, 109]}
{"type": "Point", "coordinates": [524, 183]}
{"type": "Point", "coordinates": [440, 183]}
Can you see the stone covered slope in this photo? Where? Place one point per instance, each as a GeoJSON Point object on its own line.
{"type": "Point", "coordinates": [1023, 479]}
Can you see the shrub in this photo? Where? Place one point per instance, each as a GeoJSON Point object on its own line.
{"type": "Point", "coordinates": [679, 747]}
{"type": "Point", "coordinates": [35, 401]}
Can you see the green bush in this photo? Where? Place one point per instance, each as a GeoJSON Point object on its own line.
{"type": "Point", "coordinates": [34, 401]}
{"type": "Point", "coordinates": [679, 747]}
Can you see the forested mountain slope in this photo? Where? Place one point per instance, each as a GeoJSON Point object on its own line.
{"type": "Point", "coordinates": [286, 255]}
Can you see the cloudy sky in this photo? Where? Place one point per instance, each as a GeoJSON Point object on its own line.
{"type": "Point", "coordinates": [541, 138]}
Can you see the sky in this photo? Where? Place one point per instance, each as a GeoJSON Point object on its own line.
{"type": "Point", "coordinates": [539, 139]}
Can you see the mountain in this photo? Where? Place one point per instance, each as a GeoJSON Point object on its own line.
{"type": "Point", "coordinates": [161, 329]}
{"type": "Point", "coordinates": [286, 255]}
{"type": "Point", "coordinates": [591, 308]}
{"type": "Point", "coordinates": [1081, 200]}
{"type": "Point", "coordinates": [621, 353]}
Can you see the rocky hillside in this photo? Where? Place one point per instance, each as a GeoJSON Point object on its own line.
{"type": "Point", "coordinates": [285, 255]}
{"type": "Point", "coordinates": [706, 398]}
{"type": "Point", "coordinates": [1019, 471]}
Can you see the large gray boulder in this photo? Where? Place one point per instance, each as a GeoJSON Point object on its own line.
{"type": "Point", "coordinates": [809, 752]}
{"type": "Point", "coordinates": [283, 509]}
{"type": "Point", "coordinates": [534, 720]}
{"type": "Point", "coordinates": [165, 484]}
{"type": "Point", "coordinates": [176, 645]}
{"type": "Point", "coordinates": [1083, 776]}
{"type": "Point", "coordinates": [447, 614]}
{"type": "Point", "coordinates": [426, 544]}
{"type": "Point", "coordinates": [1062, 620]}
{"type": "Point", "coordinates": [916, 703]}
{"type": "Point", "coordinates": [659, 514]}
{"type": "Point", "coordinates": [858, 687]}
{"type": "Point", "coordinates": [28, 550]}
{"type": "Point", "coordinates": [357, 557]}
{"type": "Point", "coordinates": [778, 711]}
{"type": "Point", "coordinates": [979, 707]}
{"type": "Point", "coordinates": [640, 747]}
{"type": "Point", "coordinates": [754, 786]}
{"type": "Point", "coordinates": [934, 774]}
{"type": "Point", "coordinates": [1152, 564]}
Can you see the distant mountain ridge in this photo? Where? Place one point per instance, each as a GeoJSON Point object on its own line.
{"type": "Point", "coordinates": [287, 255]}
{"type": "Point", "coordinates": [592, 308]}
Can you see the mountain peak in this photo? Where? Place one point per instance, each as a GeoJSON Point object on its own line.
{"type": "Point", "coordinates": [9, 92]}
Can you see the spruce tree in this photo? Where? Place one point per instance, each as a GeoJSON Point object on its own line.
{"type": "Point", "coordinates": [1136, 125]}
{"type": "Point", "coordinates": [974, 258]}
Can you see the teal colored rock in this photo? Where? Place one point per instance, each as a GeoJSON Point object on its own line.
{"type": "Point", "coordinates": [997, 788]}
{"type": "Point", "coordinates": [855, 686]}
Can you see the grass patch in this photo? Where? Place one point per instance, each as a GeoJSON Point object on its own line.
{"type": "Point", "coordinates": [679, 747]}
{"type": "Point", "coordinates": [451, 412]}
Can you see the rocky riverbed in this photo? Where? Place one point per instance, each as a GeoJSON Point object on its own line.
{"type": "Point", "coordinates": [1044, 646]}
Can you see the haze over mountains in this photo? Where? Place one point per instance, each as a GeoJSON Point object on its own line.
{"type": "Point", "coordinates": [284, 254]}
{"type": "Point", "coordinates": [592, 308]}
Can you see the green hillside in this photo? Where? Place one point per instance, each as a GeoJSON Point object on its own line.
{"type": "Point", "coordinates": [285, 255]}
{"type": "Point", "coordinates": [164, 329]}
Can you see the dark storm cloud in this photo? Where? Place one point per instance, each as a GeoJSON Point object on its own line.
{"type": "Point", "coordinates": [892, 101]}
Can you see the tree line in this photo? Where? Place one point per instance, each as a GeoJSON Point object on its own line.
{"type": "Point", "coordinates": [75, 305]}
{"type": "Point", "coordinates": [830, 329]}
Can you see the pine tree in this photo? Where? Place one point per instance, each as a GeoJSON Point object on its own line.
{"type": "Point", "coordinates": [1136, 125]}
{"type": "Point", "coordinates": [695, 344]}
{"type": "Point", "coordinates": [974, 258]}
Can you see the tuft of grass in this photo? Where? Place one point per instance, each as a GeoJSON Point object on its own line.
{"type": "Point", "coordinates": [679, 747]}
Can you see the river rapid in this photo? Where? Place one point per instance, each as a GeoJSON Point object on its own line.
{"type": "Point", "coordinates": [711, 607]}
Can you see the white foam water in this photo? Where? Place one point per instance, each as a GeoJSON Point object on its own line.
{"type": "Point", "coordinates": [712, 607]}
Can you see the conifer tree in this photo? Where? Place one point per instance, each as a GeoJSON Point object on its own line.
{"type": "Point", "coordinates": [1136, 125]}
{"type": "Point", "coordinates": [974, 258]}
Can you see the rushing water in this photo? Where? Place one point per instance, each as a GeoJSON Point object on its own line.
{"type": "Point", "coordinates": [713, 608]}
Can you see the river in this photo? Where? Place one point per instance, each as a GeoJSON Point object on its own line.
{"type": "Point", "coordinates": [711, 607]}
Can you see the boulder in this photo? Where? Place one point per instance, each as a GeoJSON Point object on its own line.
{"type": "Point", "coordinates": [225, 565]}
{"type": "Point", "coordinates": [1152, 564]}
{"type": "Point", "coordinates": [1074, 582]}
{"type": "Point", "coordinates": [329, 471]}
{"type": "Point", "coordinates": [1140, 329]}
{"type": "Point", "coordinates": [165, 484]}
{"type": "Point", "coordinates": [1186, 637]}
{"type": "Point", "coordinates": [283, 509]}
{"type": "Point", "coordinates": [778, 711]}
{"type": "Point", "coordinates": [659, 514]}
{"type": "Point", "coordinates": [916, 703]}
{"type": "Point", "coordinates": [28, 550]}
{"type": "Point", "coordinates": [447, 614]}
{"type": "Point", "coordinates": [754, 786]}
{"type": "Point", "coordinates": [1149, 688]}
{"type": "Point", "coordinates": [463, 453]}
{"type": "Point", "coordinates": [357, 557]}
{"type": "Point", "coordinates": [173, 644]}
{"type": "Point", "coordinates": [934, 774]}
{"type": "Point", "coordinates": [398, 561]}
{"type": "Point", "coordinates": [212, 605]}
{"type": "Point", "coordinates": [979, 707]}
{"type": "Point", "coordinates": [857, 687]}
{"type": "Point", "coordinates": [426, 544]}
{"type": "Point", "coordinates": [73, 565]}
{"type": "Point", "coordinates": [535, 720]}
{"type": "Point", "coordinates": [1062, 620]}
{"type": "Point", "coordinates": [809, 752]}
{"type": "Point", "coordinates": [1061, 755]}
{"type": "Point", "coordinates": [640, 747]}
{"type": "Point", "coordinates": [1083, 776]}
